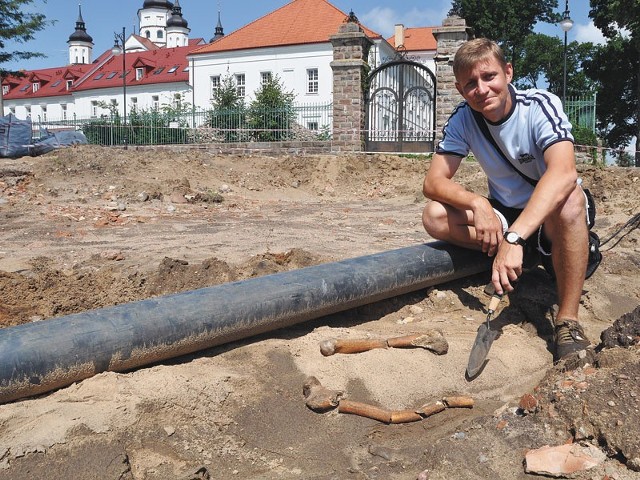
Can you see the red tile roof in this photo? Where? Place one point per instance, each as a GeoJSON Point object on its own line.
{"type": "Point", "coordinates": [146, 43]}
{"type": "Point", "coordinates": [416, 39]}
{"type": "Point", "coordinates": [53, 82]}
{"type": "Point", "coordinates": [298, 22]}
{"type": "Point", "coordinates": [163, 65]}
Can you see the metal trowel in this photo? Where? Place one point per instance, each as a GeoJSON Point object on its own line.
{"type": "Point", "coordinates": [484, 339]}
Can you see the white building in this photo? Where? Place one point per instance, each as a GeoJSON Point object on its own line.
{"type": "Point", "coordinates": [162, 63]}
{"type": "Point", "coordinates": [292, 43]}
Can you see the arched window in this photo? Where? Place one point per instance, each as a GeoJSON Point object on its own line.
{"type": "Point", "coordinates": [160, 33]}
{"type": "Point", "coordinates": [148, 34]}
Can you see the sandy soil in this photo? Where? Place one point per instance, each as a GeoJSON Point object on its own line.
{"type": "Point", "coordinates": [88, 227]}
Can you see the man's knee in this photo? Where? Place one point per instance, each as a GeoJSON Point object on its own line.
{"type": "Point", "coordinates": [573, 211]}
{"type": "Point", "coordinates": [434, 219]}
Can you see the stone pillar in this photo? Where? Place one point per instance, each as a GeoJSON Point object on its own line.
{"type": "Point", "coordinates": [453, 33]}
{"type": "Point", "coordinates": [350, 69]}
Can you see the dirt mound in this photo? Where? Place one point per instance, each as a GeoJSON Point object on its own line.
{"type": "Point", "coordinates": [91, 227]}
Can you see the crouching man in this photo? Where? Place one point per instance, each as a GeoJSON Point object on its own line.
{"type": "Point", "coordinates": [523, 142]}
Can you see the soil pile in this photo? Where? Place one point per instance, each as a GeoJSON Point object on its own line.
{"type": "Point", "coordinates": [88, 227]}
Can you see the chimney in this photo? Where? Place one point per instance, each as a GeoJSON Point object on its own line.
{"type": "Point", "coordinates": [399, 35]}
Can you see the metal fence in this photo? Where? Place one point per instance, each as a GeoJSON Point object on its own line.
{"type": "Point", "coordinates": [307, 122]}
{"type": "Point", "coordinates": [582, 111]}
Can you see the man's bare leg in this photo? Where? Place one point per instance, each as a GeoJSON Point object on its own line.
{"type": "Point", "coordinates": [568, 232]}
{"type": "Point", "coordinates": [569, 236]}
{"type": "Point", "coordinates": [444, 222]}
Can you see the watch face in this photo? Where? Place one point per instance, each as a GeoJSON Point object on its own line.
{"type": "Point", "coordinates": [512, 237]}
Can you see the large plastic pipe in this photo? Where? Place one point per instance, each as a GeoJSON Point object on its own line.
{"type": "Point", "coordinates": [39, 357]}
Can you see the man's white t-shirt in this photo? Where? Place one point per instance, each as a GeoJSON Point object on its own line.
{"type": "Point", "coordinates": [536, 121]}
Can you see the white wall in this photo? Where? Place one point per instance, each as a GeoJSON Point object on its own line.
{"type": "Point", "coordinates": [289, 63]}
{"type": "Point", "coordinates": [144, 94]}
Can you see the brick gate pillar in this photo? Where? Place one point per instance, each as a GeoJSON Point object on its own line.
{"type": "Point", "coordinates": [350, 69]}
{"type": "Point", "coordinates": [449, 37]}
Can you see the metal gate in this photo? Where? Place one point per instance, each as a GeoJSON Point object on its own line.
{"type": "Point", "coordinates": [401, 108]}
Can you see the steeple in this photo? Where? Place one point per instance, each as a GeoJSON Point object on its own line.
{"type": "Point", "coordinates": [80, 42]}
{"type": "Point", "coordinates": [177, 28]}
{"type": "Point", "coordinates": [176, 19]}
{"type": "Point", "coordinates": [153, 17]}
{"type": "Point", "coordinates": [219, 32]}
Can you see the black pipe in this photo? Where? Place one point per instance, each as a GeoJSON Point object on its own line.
{"type": "Point", "coordinates": [39, 357]}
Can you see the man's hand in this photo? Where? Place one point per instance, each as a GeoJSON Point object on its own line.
{"type": "Point", "coordinates": [507, 267]}
{"type": "Point", "coordinates": [487, 225]}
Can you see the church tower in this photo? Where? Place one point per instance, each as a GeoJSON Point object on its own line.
{"type": "Point", "coordinates": [177, 28]}
{"type": "Point", "coordinates": [219, 31]}
{"type": "Point", "coordinates": [80, 43]}
{"type": "Point", "coordinates": [153, 17]}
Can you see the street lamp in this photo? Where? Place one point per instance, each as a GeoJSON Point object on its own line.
{"type": "Point", "coordinates": [118, 48]}
{"type": "Point", "coordinates": [565, 24]}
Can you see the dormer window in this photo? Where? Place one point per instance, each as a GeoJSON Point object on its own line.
{"type": "Point", "coordinates": [36, 87]}
{"type": "Point", "coordinates": [5, 89]}
{"type": "Point", "coordinates": [139, 73]}
{"type": "Point", "coordinates": [69, 84]}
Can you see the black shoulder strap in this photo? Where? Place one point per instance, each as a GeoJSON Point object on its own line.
{"type": "Point", "coordinates": [487, 134]}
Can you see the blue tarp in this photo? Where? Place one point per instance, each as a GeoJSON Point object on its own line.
{"type": "Point", "coordinates": [55, 140]}
{"type": "Point", "coordinates": [15, 136]}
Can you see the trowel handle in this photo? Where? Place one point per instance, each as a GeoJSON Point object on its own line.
{"type": "Point", "coordinates": [494, 302]}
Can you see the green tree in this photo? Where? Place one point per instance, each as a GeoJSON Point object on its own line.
{"type": "Point", "coordinates": [617, 108]}
{"type": "Point", "coordinates": [617, 69]}
{"type": "Point", "coordinates": [271, 113]}
{"type": "Point", "coordinates": [229, 112]}
{"type": "Point", "coordinates": [542, 61]}
{"type": "Point", "coordinates": [508, 22]}
{"type": "Point", "coordinates": [17, 26]}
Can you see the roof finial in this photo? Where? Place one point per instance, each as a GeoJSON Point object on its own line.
{"type": "Point", "coordinates": [351, 18]}
{"type": "Point", "coordinates": [219, 31]}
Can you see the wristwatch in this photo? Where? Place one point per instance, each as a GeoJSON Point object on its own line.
{"type": "Point", "coordinates": [514, 239]}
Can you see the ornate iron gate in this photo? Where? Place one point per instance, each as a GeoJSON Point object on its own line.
{"type": "Point", "coordinates": [401, 108]}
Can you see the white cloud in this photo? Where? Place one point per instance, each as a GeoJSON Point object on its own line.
{"type": "Point", "coordinates": [384, 19]}
{"type": "Point", "coordinates": [589, 33]}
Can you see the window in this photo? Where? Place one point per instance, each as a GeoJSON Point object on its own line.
{"type": "Point", "coordinates": [265, 77]}
{"type": "Point", "coordinates": [25, 88]}
{"type": "Point", "coordinates": [158, 71]}
{"type": "Point", "coordinates": [36, 87]}
{"type": "Point", "coordinates": [69, 84]}
{"type": "Point", "coordinates": [139, 73]}
{"type": "Point", "coordinates": [64, 112]}
{"type": "Point", "coordinates": [28, 110]}
{"type": "Point", "coordinates": [160, 33]}
{"type": "Point", "coordinates": [99, 76]}
{"type": "Point", "coordinates": [312, 80]}
{"type": "Point", "coordinates": [240, 84]}
{"type": "Point", "coordinates": [312, 126]}
{"type": "Point", "coordinates": [94, 109]}
{"type": "Point", "coordinates": [215, 84]}
{"type": "Point", "coordinates": [111, 75]}
{"type": "Point", "coordinates": [44, 112]}
{"type": "Point", "coordinates": [173, 69]}
{"type": "Point", "coordinates": [122, 75]}
{"type": "Point", "coordinates": [5, 89]}
{"type": "Point", "coordinates": [155, 102]}
{"type": "Point", "coordinates": [56, 83]}
{"type": "Point", "coordinates": [148, 34]}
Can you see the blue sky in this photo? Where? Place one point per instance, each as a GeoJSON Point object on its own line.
{"type": "Point", "coordinates": [103, 18]}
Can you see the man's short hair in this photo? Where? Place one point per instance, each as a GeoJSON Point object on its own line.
{"type": "Point", "coordinates": [475, 51]}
